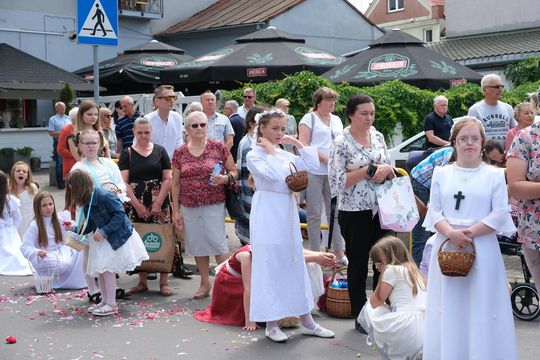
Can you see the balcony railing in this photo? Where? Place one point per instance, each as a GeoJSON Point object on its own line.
{"type": "Point", "coordinates": [152, 9]}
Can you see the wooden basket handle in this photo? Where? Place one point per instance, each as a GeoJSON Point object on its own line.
{"type": "Point", "coordinates": [460, 250]}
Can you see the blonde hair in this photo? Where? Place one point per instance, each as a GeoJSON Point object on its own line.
{"type": "Point", "coordinates": [102, 112]}
{"type": "Point", "coordinates": [28, 183]}
{"type": "Point", "coordinates": [392, 251]}
{"type": "Point", "coordinates": [460, 123]}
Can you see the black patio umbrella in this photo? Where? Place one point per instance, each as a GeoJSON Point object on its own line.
{"type": "Point", "coordinates": [267, 54]}
{"type": "Point", "coordinates": [400, 56]}
{"type": "Point", "coordinates": [137, 69]}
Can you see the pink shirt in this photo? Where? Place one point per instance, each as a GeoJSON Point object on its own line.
{"type": "Point", "coordinates": [195, 173]}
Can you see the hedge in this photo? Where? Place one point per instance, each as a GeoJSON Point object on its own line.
{"type": "Point", "coordinates": [395, 101]}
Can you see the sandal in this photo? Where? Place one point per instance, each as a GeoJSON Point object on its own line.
{"type": "Point", "coordinates": [165, 290]}
{"type": "Point", "coordinates": [135, 290]}
{"type": "Point", "coordinates": [122, 294]}
{"type": "Point", "coordinates": [201, 295]}
{"type": "Point", "coordinates": [105, 310]}
{"type": "Point", "coordinates": [94, 298]}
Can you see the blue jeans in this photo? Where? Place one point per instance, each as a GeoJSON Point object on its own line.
{"type": "Point", "coordinates": [58, 164]}
{"type": "Point", "coordinates": [419, 233]}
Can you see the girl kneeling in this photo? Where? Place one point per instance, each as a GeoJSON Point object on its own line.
{"type": "Point", "coordinates": [113, 245]}
{"type": "Point", "coordinates": [43, 245]}
{"type": "Point", "coordinates": [397, 329]}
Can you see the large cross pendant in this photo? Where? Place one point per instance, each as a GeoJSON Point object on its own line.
{"type": "Point", "coordinates": [459, 196]}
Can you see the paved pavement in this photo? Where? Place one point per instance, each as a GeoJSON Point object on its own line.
{"type": "Point", "coordinates": [153, 327]}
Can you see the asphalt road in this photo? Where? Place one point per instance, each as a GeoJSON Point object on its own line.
{"type": "Point", "coordinates": [150, 326]}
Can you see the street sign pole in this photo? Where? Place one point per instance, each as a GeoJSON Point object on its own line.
{"type": "Point", "coordinates": [96, 74]}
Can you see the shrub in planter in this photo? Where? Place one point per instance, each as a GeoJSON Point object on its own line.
{"type": "Point", "coordinates": [23, 154]}
{"type": "Point", "coordinates": [7, 159]}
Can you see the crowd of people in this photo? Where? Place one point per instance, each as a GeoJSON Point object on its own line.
{"type": "Point", "coordinates": [174, 169]}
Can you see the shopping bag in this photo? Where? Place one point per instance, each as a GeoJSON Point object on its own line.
{"type": "Point", "coordinates": [397, 205]}
{"type": "Point", "coordinates": [160, 244]}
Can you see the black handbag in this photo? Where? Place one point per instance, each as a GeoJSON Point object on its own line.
{"type": "Point", "coordinates": [233, 199]}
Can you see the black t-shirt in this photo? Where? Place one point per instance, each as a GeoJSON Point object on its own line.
{"type": "Point", "coordinates": [145, 168]}
{"type": "Point", "coordinates": [440, 126]}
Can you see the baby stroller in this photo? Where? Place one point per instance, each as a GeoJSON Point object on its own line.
{"type": "Point", "coordinates": [524, 297]}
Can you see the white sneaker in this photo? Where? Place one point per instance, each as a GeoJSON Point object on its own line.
{"type": "Point", "coordinates": [318, 331]}
{"type": "Point", "coordinates": [276, 335]}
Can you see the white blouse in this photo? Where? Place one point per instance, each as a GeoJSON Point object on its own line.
{"type": "Point", "coordinates": [346, 154]}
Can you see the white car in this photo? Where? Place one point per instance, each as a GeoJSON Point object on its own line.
{"type": "Point", "coordinates": [400, 153]}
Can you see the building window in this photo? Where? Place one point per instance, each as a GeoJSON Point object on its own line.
{"type": "Point", "coordinates": [395, 5]}
{"type": "Point", "coordinates": [428, 35]}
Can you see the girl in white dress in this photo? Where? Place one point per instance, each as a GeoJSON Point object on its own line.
{"type": "Point", "coordinates": [113, 245]}
{"type": "Point", "coordinates": [397, 329]}
{"type": "Point", "coordinates": [22, 186]}
{"type": "Point", "coordinates": [105, 173]}
{"type": "Point", "coordinates": [43, 245]}
{"type": "Point", "coordinates": [12, 261]}
{"type": "Point", "coordinates": [280, 284]}
{"type": "Point", "coordinates": [469, 317]}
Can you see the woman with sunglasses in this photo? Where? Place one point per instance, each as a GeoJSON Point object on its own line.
{"type": "Point", "coordinates": [201, 169]}
{"type": "Point", "coordinates": [146, 170]}
{"type": "Point", "coordinates": [107, 127]}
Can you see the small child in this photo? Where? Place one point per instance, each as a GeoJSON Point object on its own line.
{"type": "Point", "coordinates": [397, 329]}
{"type": "Point", "coordinates": [22, 186]}
{"type": "Point", "coordinates": [113, 245]}
{"type": "Point", "coordinates": [12, 261]}
{"type": "Point", "coordinates": [43, 245]}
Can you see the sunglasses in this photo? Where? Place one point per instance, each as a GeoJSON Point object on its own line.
{"type": "Point", "coordinates": [495, 86]}
{"type": "Point", "coordinates": [168, 98]}
{"type": "Point", "coordinates": [107, 115]}
{"type": "Point", "coordinates": [248, 97]}
{"type": "Point", "coordinates": [196, 125]}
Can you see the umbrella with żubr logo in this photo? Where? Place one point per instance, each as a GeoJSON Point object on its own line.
{"type": "Point", "coordinates": [267, 54]}
{"type": "Point", "coordinates": [137, 69]}
{"type": "Point", "coordinates": [400, 56]}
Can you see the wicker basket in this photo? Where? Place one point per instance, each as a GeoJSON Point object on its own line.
{"type": "Point", "coordinates": [455, 263]}
{"type": "Point", "coordinates": [298, 180]}
{"type": "Point", "coordinates": [44, 282]}
{"type": "Point", "coordinates": [75, 241]}
{"type": "Point", "coordinates": [338, 303]}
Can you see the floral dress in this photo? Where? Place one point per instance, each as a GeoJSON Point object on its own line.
{"type": "Point", "coordinates": [525, 147]}
{"type": "Point", "coordinates": [145, 175]}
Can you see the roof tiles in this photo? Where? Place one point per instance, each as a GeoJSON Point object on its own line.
{"type": "Point", "coordinates": [490, 45]}
{"type": "Point", "coordinates": [233, 12]}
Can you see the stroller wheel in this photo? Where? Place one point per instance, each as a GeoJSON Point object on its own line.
{"type": "Point", "coordinates": [525, 302]}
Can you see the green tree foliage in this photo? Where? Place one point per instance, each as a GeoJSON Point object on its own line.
{"type": "Point", "coordinates": [524, 71]}
{"type": "Point", "coordinates": [395, 102]}
{"type": "Point", "coordinates": [66, 96]}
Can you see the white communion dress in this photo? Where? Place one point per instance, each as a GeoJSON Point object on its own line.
{"type": "Point", "coordinates": [280, 285]}
{"type": "Point", "coordinates": [62, 262]}
{"type": "Point", "coordinates": [470, 317]}
{"type": "Point", "coordinates": [12, 261]}
{"type": "Point", "coordinates": [396, 329]}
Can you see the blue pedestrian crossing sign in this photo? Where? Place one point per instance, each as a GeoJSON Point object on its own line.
{"type": "Point", "coordinates": [97, 22]}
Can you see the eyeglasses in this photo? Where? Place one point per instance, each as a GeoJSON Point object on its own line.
{"type": "Point", "coordinates": [107, 115]}
{"type": "Point", "coordinates": [90, 143]}
{"type": "Point", "coordinates": [168, 98]}
{"type": "Point", "coordinates": [196, 125]}
{"type": "Point", "coordinates": [248, 97]}
{"type": "Point", "coordinates": [495, 86]}
{"type": "Point", "coordinates": [464, 140]}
